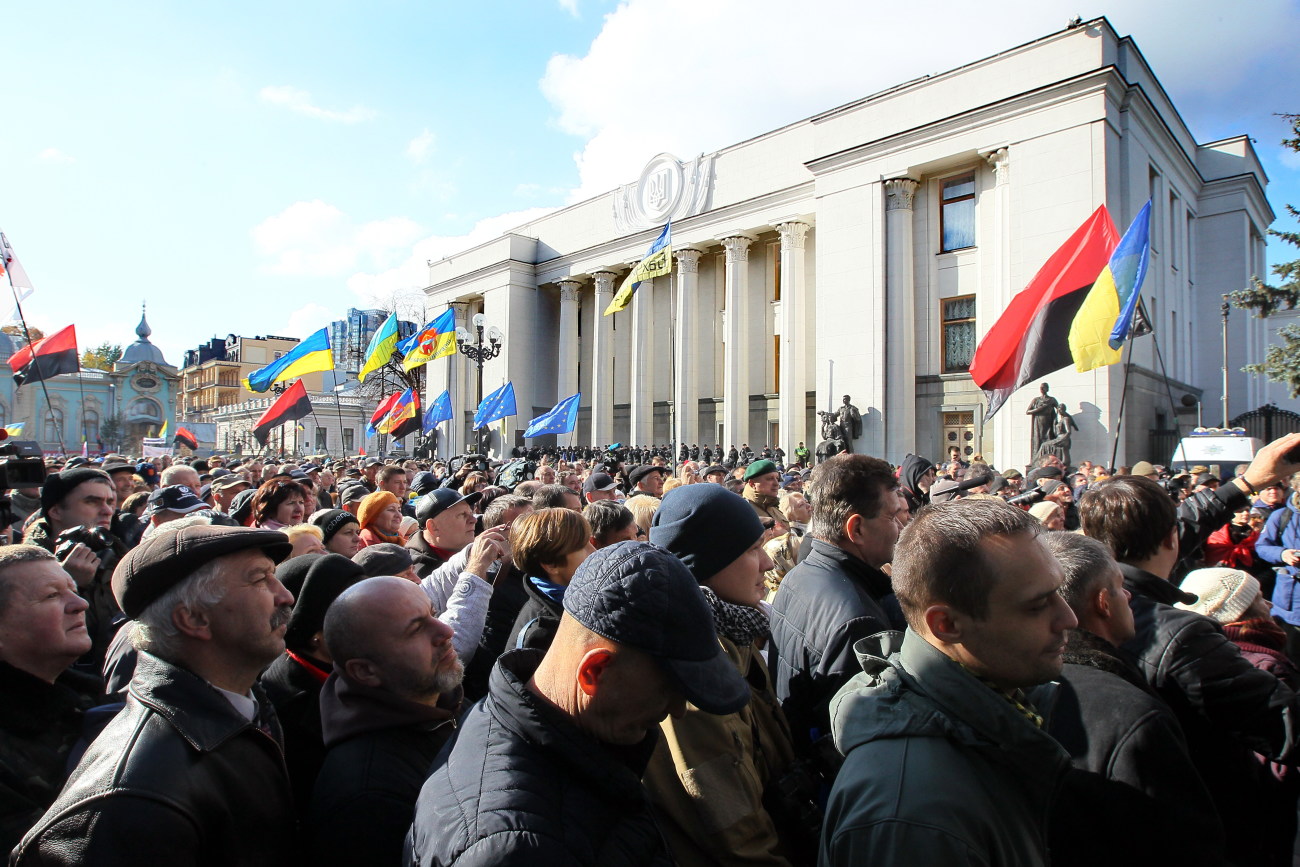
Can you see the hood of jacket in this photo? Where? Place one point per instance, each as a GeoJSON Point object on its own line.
{"type": "Point", "coordinates": [911, 472]}
{"type": "Point", "coordinates": [908, 689]}
{"type": "Point", "coordinates": [349, 709]}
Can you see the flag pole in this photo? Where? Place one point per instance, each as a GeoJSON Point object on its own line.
{"type": "Point", "coordinates": [1173, 409]}
{"type": "Point", "coordinates": [338, 407]}
{"type": "Point", "coordinates": [36, 359]}
{"type": "Point", "coordinates": [1123, 397]}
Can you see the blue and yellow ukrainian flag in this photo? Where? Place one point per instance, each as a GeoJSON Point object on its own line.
{"type": "Point", "coordinates": [309, 356]}
{"type": "Point", "coordinates": [658, 262]}
{"type": "Point", "coordinates": [435, 340]}
{"type": "Point", "coordinates": [1105, 320]}
{"type": "Point", "coordinates": [381, 347]}
{"type": "Point", "coordinates": [15, 430]}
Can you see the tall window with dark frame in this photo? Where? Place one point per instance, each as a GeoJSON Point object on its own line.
{"type": "Point", "coordinates": [957, 212]}
{"type": "Point", "coordinates": [958, 333]}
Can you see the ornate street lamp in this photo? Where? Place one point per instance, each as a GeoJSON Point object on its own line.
{"type": "Point", "coordinates": [471, 346]}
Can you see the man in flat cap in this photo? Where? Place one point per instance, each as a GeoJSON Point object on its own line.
{"type": "Point", "coordinates": [192, 770]}
{"type": "Point", "coordinates": [547, 769]}
{"type": "Point", "coordinates": [647, 480]}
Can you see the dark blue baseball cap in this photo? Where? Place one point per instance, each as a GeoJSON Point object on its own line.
{"type": "Point", "coordinates": [641, 596]}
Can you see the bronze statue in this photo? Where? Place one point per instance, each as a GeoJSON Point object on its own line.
{"type": "Point", "coordinates": [1059, 444]}
{"type": "Point", "coordinates": [850, 423]}
{"type": "Point", "coordinates": [1043, 409]}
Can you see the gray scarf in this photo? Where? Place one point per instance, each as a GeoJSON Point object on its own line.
{"type": "Point", "coordinates": [740, 623]}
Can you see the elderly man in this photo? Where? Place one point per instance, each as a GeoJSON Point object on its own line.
{"type": "Point", "coordinates": [838, 593]}
{"type": "Point", "coordinates": [84, 497]}
{"type": "Point", "coordinates": [1125, 744]}
{"type": "Point", "coordinates": [169, 503]}
{"type": "Point", "coordinates": [42, 632]}
{"type": "Point", "coordinates": [547, 769]}
{"type": "Point", "coordinates": [192, 770]}
{"type": "Point", "coordinates": [599, 486]}
{"type": "Point", "coordinates": [386, 711]}
{"type": "Point", "coordinates": [945, 760]}
{"type": "Point", "coordinates": [225, 488]}
{"type": "Point", "coordinates": [181, 474]}
{"type": "Point", "coordinates": [647, 480]}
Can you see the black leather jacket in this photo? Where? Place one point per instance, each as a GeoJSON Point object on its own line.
{"type": "Point", "coordinates": [179, 777]}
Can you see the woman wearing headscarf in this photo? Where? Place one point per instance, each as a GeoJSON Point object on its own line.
{"type": "Point", "coordinates": [712, 777]}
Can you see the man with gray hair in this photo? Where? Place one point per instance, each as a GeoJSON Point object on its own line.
{"type": "Point", "coordinates": [1128, 751]}
{"type": "Point", "coordinates": [945, 759]}
{"type": "Point", "coordinates": [192, 770]}
{"type": "Point", "coordinates": [42, 632]}
{"type": "Point", "coordinates": [181, 474]}
{"type": "Point", "coordinates": [386, 712]}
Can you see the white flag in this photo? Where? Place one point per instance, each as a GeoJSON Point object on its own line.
{"type": "Point", "coordinates": [22, 285]}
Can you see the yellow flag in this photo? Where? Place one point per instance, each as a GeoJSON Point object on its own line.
{"type": "Point", "coordinates": [658, 262]}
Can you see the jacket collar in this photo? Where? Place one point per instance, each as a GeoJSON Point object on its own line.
{"type": "Point", "coordinates": [348, 709]}
{"type": "Point", "coordinates": [1089, 649]}
{"type": "Point", "coordinates": [1139, 582]}
{"type": "Point", "coordinates": [762, 500]}
{"type": "Point", "coordinates": [201, 715]}
{"type": "Point", "coordinates": [31, 705]}
{"type": "Point", "coordinates": [611, 769]}
{"type": "Point", "coordinates": [875, 581]}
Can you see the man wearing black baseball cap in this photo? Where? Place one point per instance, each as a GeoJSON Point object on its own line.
{"type": "Point", "coordinates": [569, 730]}
{"type": "Point", "coordinates": [191, 770]}
{"type": "Point", "coordinates": [599, 486]}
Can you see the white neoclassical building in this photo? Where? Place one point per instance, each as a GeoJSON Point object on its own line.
{"type": "Point", "coordinates": [864, 251]}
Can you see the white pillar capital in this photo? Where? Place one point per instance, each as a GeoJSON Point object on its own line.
{"type": "Point", "coordinates": [688, 260]}
{"type": "Point", "coordinates": [1000, 161]}
{"type": "Point", "coordinates": [570, 290]}
{"type": "Point", "coordinates": [737, 247]}
{"type": "Point", "coordinates": [792, 234]}
{"type": "Point", "coordinates": [899, 193]}
{"type": "Point", "coordinates": [604, 282]}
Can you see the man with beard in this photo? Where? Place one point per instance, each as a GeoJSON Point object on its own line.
{"type": "Point", "coordinates": [192, 770]}
{"type": "Point", "coordinates": [386, 711]}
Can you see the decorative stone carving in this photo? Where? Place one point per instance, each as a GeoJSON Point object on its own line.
{"type": "Point", "coordinates": [899, 193]}
{"type": "Point", "coordinates": [604, 282]}
{"type": "Point", "coordinates": [668, 189]}
{"type": "Point", "coordinates": [1000, 161]}
{"type": "Point", "coordinates": [688, 260]}
{"type": "Point", "coordinates": [793, 234]}
{"type": "Point", "coordinates": [737, 247]}
{"type": "Point", "coordinates": [570, 290]}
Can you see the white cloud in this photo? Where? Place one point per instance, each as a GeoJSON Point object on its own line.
{"type": "Point", "coordinates": [299, 101]}
{"type": "Point", "coordinates": [413, 272]}
{"type": "Point", "coordinates": [570, 6]}
{"type": "Point", "coordinates": [418, 148]}
{"type": "Point", "coordinates": [308, 319]}
{"type": "Point", "coordinates": [316, 239]}
{"type": "Point", "coordinates": [54, 156]}
{"type": "Point", "coordinates": [789, 64]}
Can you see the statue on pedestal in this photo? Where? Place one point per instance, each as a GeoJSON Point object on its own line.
{"type": "Point", "coordinates": [1059, 444]}
{"type": "Point", "coordinates": [850, 421]}
{"type": "Point", "coordinates": [833, 439]}
{"type": "Point", "coordinates": [1043, 409]}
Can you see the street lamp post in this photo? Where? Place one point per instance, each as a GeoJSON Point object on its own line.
{"type": "Point", "coordinates": [1226, 307]}
{"type": "Point", "coordinates": [476, 352]}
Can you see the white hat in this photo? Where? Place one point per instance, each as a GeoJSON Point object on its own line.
{"type": "Point", "coordinates": [1222, 594]}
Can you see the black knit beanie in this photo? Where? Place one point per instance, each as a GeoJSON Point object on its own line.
{"type": "Point", "coordinates": [706, 526]}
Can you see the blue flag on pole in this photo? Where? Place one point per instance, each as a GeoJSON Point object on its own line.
{"type": "Point", "coordinates": [498, 404]}
{"type": "Point", "coordinates": [438, 411]}
{"type": "Point", "coordinates": [560, 420]}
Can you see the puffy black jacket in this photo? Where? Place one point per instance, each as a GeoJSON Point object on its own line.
{"type": "Point", "coordinates": [522, 785]}
{"type": "Point", "coordinates": [380, 750]}
{"type": "Point", "coordinates": [179, 777]}
{"type": "Point", "coordinates": [823, 607]}
{"type": "Point", "coordinates": [1227, 708]}
{"type": "Point", "coordinates": [537, 620]}
{"type": "Point", "coordinates": [1130, 763]}
{"type": "Point", "coordinates": [422, 556]}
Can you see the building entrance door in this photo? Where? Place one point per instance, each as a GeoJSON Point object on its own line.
{"type": "Point", "coordinates": [959, 431]}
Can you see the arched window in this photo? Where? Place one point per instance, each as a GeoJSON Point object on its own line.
{"type": "Point", "coordinates": [144, 409]}
{"type": "Point", "coordinates": [4, 413]}
{"type": "Point", "coordinates": [91, 426]}
{"type": "Point", "coordinates": [53, 425]}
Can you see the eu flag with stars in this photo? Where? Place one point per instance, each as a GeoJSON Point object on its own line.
{"type": "Point", "coordinates": [438, 411]}
{"type": "Point", "coordinates": [560, 420]}
{"type": "Point", "coordinates": [498, 404]}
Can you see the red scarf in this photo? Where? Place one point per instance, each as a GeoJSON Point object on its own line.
{"type": "Point", "coordinates": [1262, 632]}
{"type": "Point", "coordinates": [320, 674]}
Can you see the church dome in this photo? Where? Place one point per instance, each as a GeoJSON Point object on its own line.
{"type": "Point", "coordinates": [142, 349]}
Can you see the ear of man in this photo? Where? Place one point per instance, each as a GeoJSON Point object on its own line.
{"type": "Point", "coordinates": [592, 667]}
{"type": "Point", "coordinates": [944, 623]}
{"type": "Point", "coordinates": [192, 622]}
{"type": "Point", "coordinates": [363, 671]}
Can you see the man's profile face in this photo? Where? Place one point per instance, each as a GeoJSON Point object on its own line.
{"type": "Point", "coordinates": [1121, 613]}
{"type": "Point", "coordinates": [1062, 496]}
{"type": "Point", "coordinates": [715, 478]}
{"type": "Point", "coordinates": [89, 504]}
{"type": "Point", "coordinates": [633, 696]}
{"type": "Point", "coordinates": [412, 646]}
{"type": "Point", "coordinates": [1021, 641]}
{"type": "Point", "coordinates": [44, 618]}
{"type": "Point", "coordinates": [249, 622]}
{"type": "Point", "coordinates": [652, 484]}
{"type": "Point", "coordinates": [454, 528]}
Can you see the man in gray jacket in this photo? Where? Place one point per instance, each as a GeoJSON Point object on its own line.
{"type": "Point", "coordinates": [946, 761]}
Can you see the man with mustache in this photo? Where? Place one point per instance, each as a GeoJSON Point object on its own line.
{"type": "Point", "coordinates": [192, 769]}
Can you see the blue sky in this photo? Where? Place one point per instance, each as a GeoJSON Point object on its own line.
{"type": "Point", "coordinates": [258, 168]}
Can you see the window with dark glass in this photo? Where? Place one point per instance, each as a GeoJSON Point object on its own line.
{"type": "Point", "coordinates": [957, 212]}
{"type": "Point", "coordinates": [958, 333]}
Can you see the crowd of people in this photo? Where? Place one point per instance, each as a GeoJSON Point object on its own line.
{"type": "Point", "coordinates": [630, 656]}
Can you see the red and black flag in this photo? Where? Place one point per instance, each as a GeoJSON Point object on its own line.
{"type": "Point", "coordinates": [290, 406]}
{"type": "Point", "coordinates": [1031, 338]}
{"type": "Point", "coordinates": [404, 418]}
{"type": "Point", "coordinates": [46, 358]}
{"type": "Point", "coordinates": [185, 438]}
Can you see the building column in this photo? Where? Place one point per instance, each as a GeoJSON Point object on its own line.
{"type": "Point", "coordinates": [900, 321]}
{"type": "Point", "coordinates": [792, 413]}
{"type": "Point", "coordinates": [641, 394]}
{"type": "Point", "coordinates": [735, 359]}
{"type": "Point", "coordinates": [602, 372]}
{"type": "Point", "coordinates": [686, 406]}
{"type": "Point", "coordinates": [458, 385]}
{"type": "Point", "coordinates": [566, 381]}
{"type": "Point", "coordinates": [1005, 423]}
